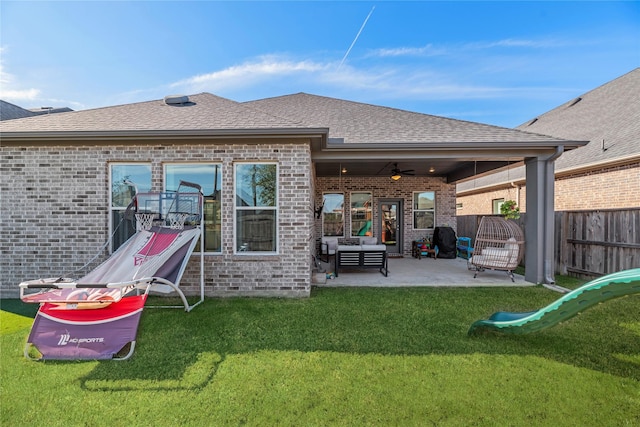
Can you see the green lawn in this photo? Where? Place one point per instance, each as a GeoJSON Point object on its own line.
{"type": "Point", "coordinates": [389, 357]}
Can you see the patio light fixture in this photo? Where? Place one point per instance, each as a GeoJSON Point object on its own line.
{"type": "Point", "coordinates": [396, 177]}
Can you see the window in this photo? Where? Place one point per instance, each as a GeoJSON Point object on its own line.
{"type": "Point", "coordinates": [496, 204]}
{"type": "Point", "coordinates": [333, 214]}
{"type": "Point", "coordinates": [361, 214]}
{"type": "Point", "coordinates": [256, 207]}
{"type": "Point", "coordinates": [424, 210]}
{"type": "Point", "coordinates": [209, 177]}
{"type": "Point", "coordinates": [125, 178]}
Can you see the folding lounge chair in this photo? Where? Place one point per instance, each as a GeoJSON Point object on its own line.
{"type": "Point", "coordinates": [96, 316]}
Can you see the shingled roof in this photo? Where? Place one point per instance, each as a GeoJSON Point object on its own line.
{"type": "Point", "coordinates": [608, 117]}
{"type": "Point", "coordinates": [203, 113]}
{"type": "Point", "coordinates": [9, 111]}
{"type": "Point", "coordinates": [355, 122]}
{"type": "Point", "coordinates": [348, 121]}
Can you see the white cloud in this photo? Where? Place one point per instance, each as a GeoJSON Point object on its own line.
{"type": "Point", "coordinates": [250, 73]}
{"type": "Point", "coordinates": [452, 49]}
{"type": "Point", "coordinates": [19, 94]}
{"type": "Point", "coordinates": [428, 50]}
{"type": "Point", "coordinates": [381, 81]}
{"type": "Point", "coordinates": [516, 43]}
{"type": "Point", "coordinates": [408, 82]}
{"type": "Point", "coordinates": [7, 80]}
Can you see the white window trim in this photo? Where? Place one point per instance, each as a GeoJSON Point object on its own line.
{"type": "Point", "coordinates": [344, 219]}
{"type": "Point", "coordinates": [164, 183]}
{"type": "Point", "coordinates": [496, 204]}
{"type": "Point", "coordinates": [414, 210]}
{"type": "Point", "coordinates": [276, 208]}
{"type": "Point", "coordinates": [370, 193]}
{"type": "Point", "coordinates": [110, 223]}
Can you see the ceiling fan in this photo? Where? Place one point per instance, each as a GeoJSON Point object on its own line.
{"type": "Point", "coordinates": [397, 173]}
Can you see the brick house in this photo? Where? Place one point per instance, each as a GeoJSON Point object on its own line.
{"type": "Point", "coordinates": [604, 174]}
{"type": "Point", "coordinates": [314, 165]}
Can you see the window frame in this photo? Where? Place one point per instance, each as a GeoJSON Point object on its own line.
{"type": "Point", "coordinates": [415, 210]}
{"type": "Point", "coordinates": [220, 165]}
{"type": "Point", "coordinates": [368, 212]}
{"type": "Point", "coordinates": [112, 208]}
{"type": "Point", "coordinates": [324, 212]}
{"type": "Point", "coordinates": [239, 250]}
{"type": "Point", "coordinates": [496, 204]}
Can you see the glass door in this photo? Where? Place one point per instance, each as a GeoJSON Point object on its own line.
{"type": "Point", "coordinates": [390, 217]}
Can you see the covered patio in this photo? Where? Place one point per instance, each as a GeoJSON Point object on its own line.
{"type": "Point", "coordinates": [409, 271]}
{"type": "Point", "coordinates": [392, 154]}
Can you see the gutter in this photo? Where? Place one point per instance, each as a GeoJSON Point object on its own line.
{"type": "Point", "coordinates": [174, 134]}
{"type": "Point", "coordinates": [549, 279]}
{"type": "Point", "coordinates": [450, 145]}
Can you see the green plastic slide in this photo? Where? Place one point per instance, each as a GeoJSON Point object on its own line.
{"type": "Point", "coordinates": [608, 287]}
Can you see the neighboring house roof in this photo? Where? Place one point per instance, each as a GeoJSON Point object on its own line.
{"type": "Point", "coordinates": [357, 123]}
{"type": "Point", "coordinates": [50, 110]}
{"type": "Point", "coordinates": [204, 113]}
{"type": "Point", "coordinates": [608, 117]}
{"type": "Point", "coordinates": [9, 111]}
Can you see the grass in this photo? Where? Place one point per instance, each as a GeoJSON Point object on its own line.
{"type": "Point", "coordinates": [342, 357]}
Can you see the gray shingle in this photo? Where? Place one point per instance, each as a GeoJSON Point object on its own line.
{"type": "Point", "coordinates": [9, 111]}
{"type": "Point", "coordinates": [205, 111]}
{"type": "Point", "coordinates": [610, 112]}
{"type": "Point", "coordinates": [365, 123]}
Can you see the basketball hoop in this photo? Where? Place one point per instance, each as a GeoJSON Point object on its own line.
{"type": "Point", "coordinates": [144, 221]}
{"type": "Point", "coordinates": [177, 219]}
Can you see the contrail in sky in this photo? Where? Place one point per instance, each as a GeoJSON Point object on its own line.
{"type": "Point", "coordinates": [356, 39]}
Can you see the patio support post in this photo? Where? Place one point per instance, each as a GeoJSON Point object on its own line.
{"type": "Point", "coordinates": [539, 225]}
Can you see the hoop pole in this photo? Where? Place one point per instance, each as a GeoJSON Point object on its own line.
{"type": "Point", "coordinates": [201, 208]}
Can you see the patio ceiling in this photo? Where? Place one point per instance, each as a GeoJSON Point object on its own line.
{"type": "Point", "coordinates": [451, 169]}
{"type": "Point", "coordinates": [454, 162]}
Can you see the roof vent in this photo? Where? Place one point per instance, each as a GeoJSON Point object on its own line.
{"type": "Point", "coordinates": [574, 102]}
{"type": "Point", "coordinates": [176, 100]}
{"type": "Point", "coordinates": [532, 122]}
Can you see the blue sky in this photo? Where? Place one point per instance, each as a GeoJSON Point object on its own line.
{"type": "Point", "coordinates": [501, 63]}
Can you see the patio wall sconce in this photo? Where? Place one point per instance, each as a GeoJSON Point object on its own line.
{"type": "Point", "coordinates": [318, 210]}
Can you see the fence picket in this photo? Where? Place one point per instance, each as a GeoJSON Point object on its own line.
{"type": "Point", "coordinates": [587, 243]}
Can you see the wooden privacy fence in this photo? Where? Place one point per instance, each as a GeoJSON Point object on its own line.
{"type": "Point", "coordinates": [587, 243]}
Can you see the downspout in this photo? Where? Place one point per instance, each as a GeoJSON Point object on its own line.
{"type": "Point", "coordinates": [548, 259]}
{"type": "Point", "coordinates": [517, 187]}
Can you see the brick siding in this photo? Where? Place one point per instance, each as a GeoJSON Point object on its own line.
{"type": "Point", "coordinates": [608, 188]}
{"type": "Point", "coordinates": [55, 213]}
{"type": "Point", "coordinates": [385, 188]}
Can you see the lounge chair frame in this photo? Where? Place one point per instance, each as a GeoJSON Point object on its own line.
{"type": "Point", "coordinates": [499, 245]}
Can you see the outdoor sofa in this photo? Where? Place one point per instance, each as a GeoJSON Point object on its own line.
{"type": "Point", "coordinates": [356, 253]}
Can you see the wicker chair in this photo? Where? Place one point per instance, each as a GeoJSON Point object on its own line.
{"type": "Point", "coordinates": [499, 245]}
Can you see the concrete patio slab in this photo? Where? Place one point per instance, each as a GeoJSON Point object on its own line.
{"type": "Point", "coordinates": [409, 271]}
